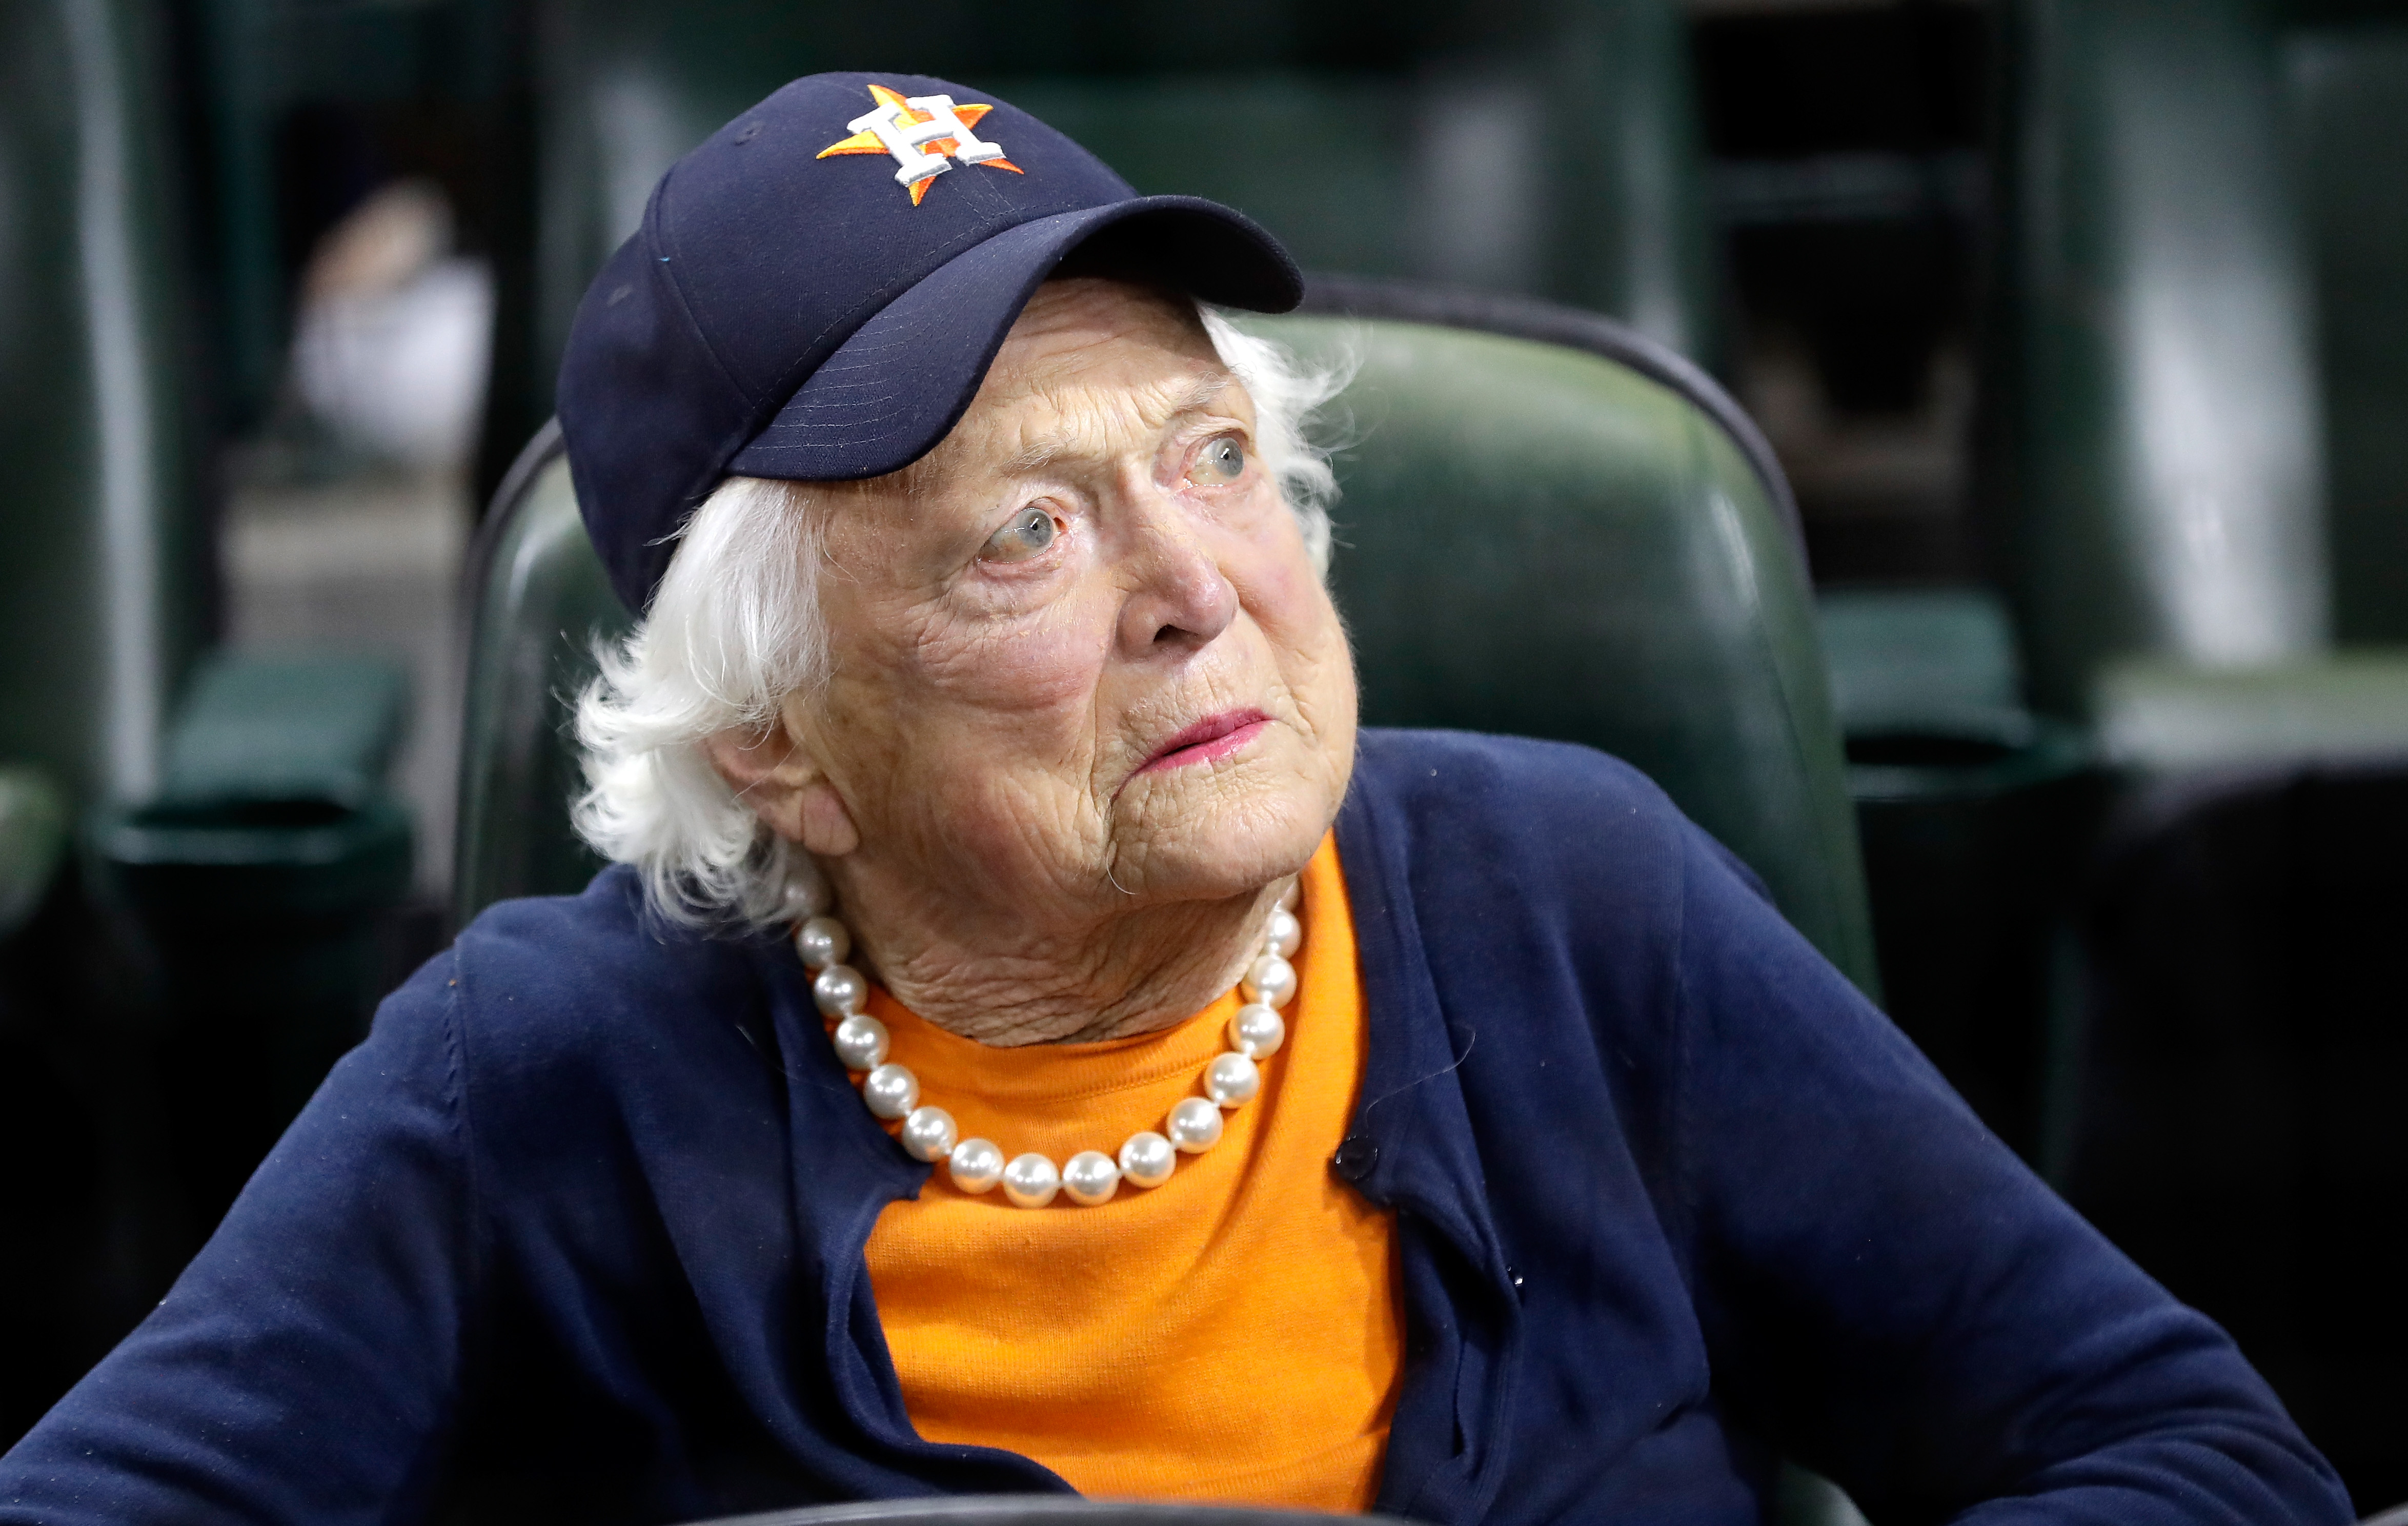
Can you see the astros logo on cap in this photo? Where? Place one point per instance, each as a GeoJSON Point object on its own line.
{"type": "Point", "coordinates": [920, 132]}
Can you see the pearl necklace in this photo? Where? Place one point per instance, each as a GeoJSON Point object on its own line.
{"type": "Point", "coordinates": [1146, 1157]}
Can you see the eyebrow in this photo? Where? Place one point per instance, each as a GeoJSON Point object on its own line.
{"type": "Point", "coordinates": [1196, 397]}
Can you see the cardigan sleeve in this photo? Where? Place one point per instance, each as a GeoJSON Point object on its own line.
{"type": "Point", "coordinates": [1903, 1305]}
{"type": "Point", "coordinates": [305, 1365]}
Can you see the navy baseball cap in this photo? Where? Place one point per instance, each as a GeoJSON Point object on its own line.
{"type": "Point", "coordinates": [817, 292]}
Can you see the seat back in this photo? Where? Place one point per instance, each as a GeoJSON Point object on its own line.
{"type": "Point", "coordinates": [539, 604]}
{"type": "Point", "coordinates": [2205, 502]}
{"type": "Point", "coordinates": [103, 595]}
{"type": "Point", "coordinates": [2347, 85]}
{"type": "Point", "coordinates": [2162, 463]}
{"type": "Point", "coordinates": [1549, 526]}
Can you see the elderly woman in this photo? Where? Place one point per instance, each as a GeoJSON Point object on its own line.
{"type": "Point", "coordinates": [1030, 1042]}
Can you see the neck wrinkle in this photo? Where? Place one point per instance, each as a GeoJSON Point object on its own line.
{"type": "Point", "coordinates": [1143, 972]}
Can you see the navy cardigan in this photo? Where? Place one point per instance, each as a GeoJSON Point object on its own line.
{"type": "Point", "coordinates": [579, 1229]}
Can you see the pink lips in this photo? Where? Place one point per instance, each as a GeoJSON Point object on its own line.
{"type": "Point", "coordinates": [1209, 740]}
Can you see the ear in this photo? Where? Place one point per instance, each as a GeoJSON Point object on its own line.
{"type": "Point", "coordinates": [770, 771]}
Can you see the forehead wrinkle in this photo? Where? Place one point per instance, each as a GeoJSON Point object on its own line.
{"type": "Point", "coordinates": [1159, 408]}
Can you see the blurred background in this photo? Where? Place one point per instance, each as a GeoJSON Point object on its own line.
{"type": "Point", "coordinates": [2080, 327]}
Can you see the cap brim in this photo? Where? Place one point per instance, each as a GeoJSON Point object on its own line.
{"type": "Point", "coordinates": [889, 393]}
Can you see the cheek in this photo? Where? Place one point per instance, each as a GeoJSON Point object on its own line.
{"type": "Point", "coordinates": [922, 693]}
{"type": "Point", "coordinates": [1288, 599]}
{"type": "Point", "coordinates": [1040, 666]}
{"type": "Point", "coordinates": [984, 733]}
{"type": "Point", "coordinates": [1003, 743]}
{"type": "Point", "coordinates": [1279, 588]}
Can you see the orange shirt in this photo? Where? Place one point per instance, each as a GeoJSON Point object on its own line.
{"type": "Point", "coordinates": [1231, 1334]}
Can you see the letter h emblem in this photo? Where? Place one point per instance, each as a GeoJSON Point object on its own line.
{"type": "Point", "coordinates": [903, 138]}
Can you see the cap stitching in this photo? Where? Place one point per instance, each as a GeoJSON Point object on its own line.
{"type": "Point", "coordinates": [732, 444]}
{"type": "Point", "coordinates": [665, 271]}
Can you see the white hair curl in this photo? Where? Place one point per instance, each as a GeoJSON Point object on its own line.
{"type": "Point", "coordinates": [735, 628]}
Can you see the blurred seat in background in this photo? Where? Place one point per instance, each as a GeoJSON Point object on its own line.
{"type": "Point", "coordinates": [2197, 507]}
{"type": "Point", "coordinates": [103, 598]}
{"type": "Point", "coordinates": [356, 173]}
{"type": "Point", "coordinates": [2345, 88]}
{"type": "Point", "coordinates": [2162, 457]}
{"type": "Point", "coordinates": [258, 878]}
{"type": "Point", "coordinates": [1546, 150]}
{"type": "Point", "coordinates": [107, 608]}
{"type": "Point", "coordinates": [1550, 525]}
{"type": "Point", "coordinates": [1845, 185]}
{"type": "Point", "coordinates": [107, 571]}
{"type": "Point", "coordinates": [1977, 818]}
{"type": "Point", "coordinates": [1848, 189]}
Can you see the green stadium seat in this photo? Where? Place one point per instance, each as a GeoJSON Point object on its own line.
{"type": "Point", "coordinates": [1976, 818]}
{"type": "Point", "coordinates": [103, 602]}
{"type": "Point", "coordinates": [261, 875]}
{"type": "Point", "coordinates": [106, 578]}
{"type": "Point", "coordinates": [2162, 463]}
{"type": "Point", "coordinates": [1905, 658]}
{"type": "Point", "coordinates": [2346, 87]}
{"type": "Point", "coordinates": [32, 843]}
{"type": "Point", "coordinates": [2174, 262]}
{"type": "Point", "coordinates": [180, 924]}
{"type": "Point", "coordinates": [2204, 269]}
{"type": "Point", "coordinates": [2162, 719]}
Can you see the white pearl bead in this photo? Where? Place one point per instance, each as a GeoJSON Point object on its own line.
{"type": "Point", "coordinates": [1147, 1160]}
{"type": "Point", "coordinates": [1258, 1032]}
{"type": "Point", "coordinates": [1194, 1125]}
{"type": "Point", "coordinates": [822, 942]}
{"type": "Point", "coordinates": [976, 1164]}
{"type": "Point", "coordinates": [1290, 896]}
{"type": "Point", "coordinates": [1231, 1080]}
{"type": "Point", "coordinates": [839, 990]}
{"type": "Point", "coordinates": [806, 892]}
{"type": "Point", "coordinates": [861, 1042]}
{"type": "Point", "coordinates": [928, 1133]}
{"type": "Point", "coordinates": [1285, 934]}
{"type": "Point", "coordinates": [1030, 1180]}
{"type": "Point", "coordinates": [1272, 981]}
{"type": "Point", "coordinates": [891, 1091]}
{"type": "Point", "coordinates": [1090, 1178]}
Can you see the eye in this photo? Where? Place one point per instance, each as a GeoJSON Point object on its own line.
{"type": "Point", "coordinates": [1222, 461]}
{"type": "Point", "coordinates": [1029, 532]}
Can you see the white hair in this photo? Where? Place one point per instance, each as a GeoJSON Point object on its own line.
{"type": "Point", "coordinates": [734, 629]}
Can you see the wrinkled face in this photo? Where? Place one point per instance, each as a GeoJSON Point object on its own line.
{"type": "Point", "coordinates": [1080, 651]}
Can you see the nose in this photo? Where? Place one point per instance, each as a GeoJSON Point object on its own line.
{"type": "Point", "coordinates": [1180, 599]}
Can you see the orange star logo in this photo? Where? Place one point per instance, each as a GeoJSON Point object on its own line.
{"type": "Point", "coordinates": [925, 134]}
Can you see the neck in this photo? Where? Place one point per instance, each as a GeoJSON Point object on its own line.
{"type": "Point", "coordinates": [1122, 974]}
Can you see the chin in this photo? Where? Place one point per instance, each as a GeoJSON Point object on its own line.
{"type": "Point", "coordinates": [1235, 836]}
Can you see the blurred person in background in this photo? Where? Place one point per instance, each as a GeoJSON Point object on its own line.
{"type": "Point", "coordinates": [392, 341]}
{"type": "Point", "coordinates": [1030, 1040]}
